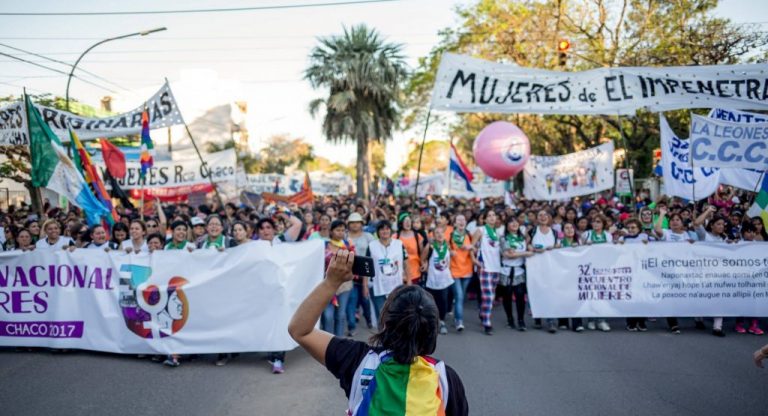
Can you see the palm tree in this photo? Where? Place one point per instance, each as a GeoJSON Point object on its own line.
{"type": "Point", "coordinates": [363, 75]}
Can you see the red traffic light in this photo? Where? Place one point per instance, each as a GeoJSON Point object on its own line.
{"type": "Point", "coordinates": [563, 45]}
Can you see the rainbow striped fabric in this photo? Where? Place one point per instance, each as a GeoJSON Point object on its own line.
{"type": "Point", "coordinates": [82, 160]}
{"type": "Point", "coordinates": [402, 389]}
{"type": "Point", "coordinates": [147, 148]}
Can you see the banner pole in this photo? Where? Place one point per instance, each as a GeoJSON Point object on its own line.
{"type": "Point", "coordinates": [421, 153]}
{"type": "Point", "coordinates": [141, 201]}
{"type": "Point", "coordinates": [197, 150]}
{"type": "Point", "coordinates": [450, 145]}
{"type": "Point", "coordinates": [626, 163]}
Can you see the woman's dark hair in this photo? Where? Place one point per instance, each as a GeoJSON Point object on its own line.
{"type": "Point", "coordinates": [382, 224]}
{"type": "Point", "coordinates": [263, 221]}
{"type": "Point", "coordinates": [157, 236]}
{"type": "Point", "coordinates": [213, 217]}
{"type": "Point", "coordinates": [336, 224]}
{"type": "Point", "coordinates": [240, 223]}
{"type": "Point", "coordinates": [120, 226]}
{"type": "Point", "coordinates": [140, 222]}
{"type": "Point", "coordinates": [179, 223]}
{"type": "Point", "coordinates": [408, 325]}
{"type": "Point", "coordinates": [509, 220]}
{"type": "Point", "coordinates": [93, 229]}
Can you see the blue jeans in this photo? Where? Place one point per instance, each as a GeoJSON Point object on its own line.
{"type": "Point", "coordinates": [333, 317]}
{"type": "Point", "coordinates": [356, 299]}
{"type": "Point", "coordinates": [378, 304]}
{"type": "Point", "coordinates": [459, 291]}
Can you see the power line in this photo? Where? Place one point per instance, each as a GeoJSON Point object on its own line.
{"type": "Point", "coordinates": [57, 71]}
{"type": "Point", "coordinates": [183, 11]}
{"type": "Point", "coordinates": [62, 63]}
{"type": "Point", "coordinates": [166, 38]}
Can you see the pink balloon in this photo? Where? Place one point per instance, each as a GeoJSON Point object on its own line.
{"type": "Point", "coordinates": [501, 150]}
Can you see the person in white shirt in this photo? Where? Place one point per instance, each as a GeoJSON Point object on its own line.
{"type": "Point", "coordinates": [489, 261]}
{"type": "Point", "coordinates": [136, 242]}
{"type": "Point", "coordinates": [99, 239]}
{"type": "Point", "coordinates": [389, 258]}
{"type": "Point", "coordinates": [439, 278]}
{"type": "Point", "coordinates": [53, 238]}
{"type": "Point", "coordinates": [676, 232]}
{"type": "Point", "coordinates": [713, 232]}
{"type": "Point", "coordinates": [543, 238]}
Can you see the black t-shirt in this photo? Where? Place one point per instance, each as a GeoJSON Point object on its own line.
{"type": "Point", "coordinates": [343, 356]}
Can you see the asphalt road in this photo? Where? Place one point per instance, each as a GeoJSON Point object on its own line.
{"type": "Point", "coordinates": [509, 373]}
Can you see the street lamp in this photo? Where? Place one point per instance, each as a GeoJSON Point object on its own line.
{"type": "Point", "coordinates": [72, 72]}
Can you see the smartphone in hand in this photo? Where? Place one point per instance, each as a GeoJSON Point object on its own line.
{"type": "Point", "coordinates": [363, 266]}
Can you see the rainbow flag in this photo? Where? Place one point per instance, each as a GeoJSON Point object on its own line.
{"type": "Point", "coordinates": [403, 389]}
{"type": "Point", "coordinates": [82, 160]}
{"type": "Point", "coordinates": [147, 148]}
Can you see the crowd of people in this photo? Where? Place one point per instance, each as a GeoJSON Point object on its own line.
{"type": "Point", "coordinates": [455, 248]}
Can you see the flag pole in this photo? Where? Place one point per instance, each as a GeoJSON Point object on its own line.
{"type": "Point", "coordinates": [204, 163]}
{"type": "Point", "coordinates": [421, 153]}
{"type": "Point", "coordinates": [450, 146]}
{"type": "Point", "coordinates": [37, 189]}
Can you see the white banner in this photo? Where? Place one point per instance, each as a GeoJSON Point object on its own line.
{"type": "Point", "coordinates": [657, 279]}
{"type": "Point", "coordinates": [172, 173]}
{"type": "Point", "coordinates": [725, 144]}
{"type": "Point", "coordinates": [13, 125]}
{"type": "Point", "coordinates": [465, 84]}
{"type": "Point", "coordinates": [163, 112]}
{"type": "Point", "coordinates": [575, 174]}
{"type": "Point", "coordinates": [165, 302]}
{"type": "Point", "coordinates": [740, 178]}
{"type": "Point", "coordinates": [679, 178]}
{"type": "Point", "coordinates": [322, 183]}
{"type": "Point", "coordinates": [624, 181]}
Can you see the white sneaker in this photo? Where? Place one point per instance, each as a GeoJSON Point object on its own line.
{"type": "Point", "coordinates": [460, 326]}
{"type": "Point", "coordinates": [443, 328]}
{"type": "Point", "coordinates": [591, 325]}
{"type": "Point", "coordinates": [603, 326]}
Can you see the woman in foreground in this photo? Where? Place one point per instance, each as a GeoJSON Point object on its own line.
{"type": "Point", "coordinates": [395, 375]}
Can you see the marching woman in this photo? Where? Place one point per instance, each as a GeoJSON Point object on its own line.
{"type": "Point", "coordinates": [570, 239]}
{"type": "Point", "coordinates": [179, 235]}
{"type": "Point", "coordinates": [489, 262]}
{"type": "Point", "coordinates": [395, 375]}
{"type": "Point", "coordinates": [597, 235]}
{"type": "Point", "coordinates": [333, 319]}
{"type": "Point", "coordinates": [391, 265]}
{"type": "Point", "coordinates": [543, 238]}
{"type": "Point", "coordinates": [99, 239]}
{"type": "Point", "coordinates": [266, 229]}
{"type": "Point", "coordinates": [415, 246]}
{"type": "Point", "coordinates": [439, 279]}
{"type": "Point", "coordinates": [240, 233]}
{"type": "Point", "coordinates": [119, 234]}
{"type": "Point", "coordinates": [514, 250]}
{"type": "Point", "coordinates": [53, 238]}
{"type": "Point", "coordinates": [136, 243]}
{"type": "Point", "coordinates": [714, 232]}
{"type": "Point", "coordinates": [676, 233]}
{"type": "Point", "coordinates": [215, 237]}
{"type": "Point", "coordinates": [24, 240]}
{"type": "Point", "coordinates": [462, 264]}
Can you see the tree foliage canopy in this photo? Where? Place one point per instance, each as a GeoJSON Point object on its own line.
{"type": "Point", "coordinates": [602, 33]}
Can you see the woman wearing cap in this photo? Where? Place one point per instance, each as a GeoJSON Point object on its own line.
{"type": "Point", "coordinates": [198, 230]}
{"type": "Point", "coordinates": [375, 377]}
{"type": "Point", "coordinates": [334, 313]}
{"type": "Point", "coordinates": [415, 246]}
{"type": "Point", "coordinates": [391, 265]}
{"type": "Point", "coordinates": [359, 295]}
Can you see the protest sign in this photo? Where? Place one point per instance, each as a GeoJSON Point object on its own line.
{"type": "Point", "coordinates": [659, 279]}
{"type": "Point", "coordinates": [680, 179]}
{"type": "Point", "coordinates": [162, 107]}
{"type": "Point", "coordinates": [624, 178]}
{"type": "Point", "coordinates": [219, 166]}
{"type": "Point", "coordinates": [465, 84]}
{"type": "Point", "coordinates": [165, 302]}
{"type": "Point", "coordinates": [726, 144]}
{"type": "Point", "coordinates": [575, 174]}
{"type": "Point", "coordinates": [740, 178]}
{"type": "Point", "coordinates": [13, 125]}
{"type": "Point", "coordinates": [322, 183]}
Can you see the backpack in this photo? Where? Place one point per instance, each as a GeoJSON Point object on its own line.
{"type": "Point", "coordinates": [382, 383]}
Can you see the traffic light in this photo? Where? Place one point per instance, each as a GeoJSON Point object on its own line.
{"type": "Point", "coordinates": [562, 51]}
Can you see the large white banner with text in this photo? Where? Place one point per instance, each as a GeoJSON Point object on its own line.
{"type": "Point", "coordinates": [656, 279]}
{"type": "Point", "coordinates": [219, 166]}
{"type": "Point", "coordinates": [575, 174]}
{"type": "Point", "coordinates": [680, 178]}
{"type": "Point", "coordinates": [165, 302]}
{"type": "Point", "coordinates": [465, 84]}
{"type": "Point", "coordinates": [725, 144]}
{"type": "Point", "coordinates": [13, 124]}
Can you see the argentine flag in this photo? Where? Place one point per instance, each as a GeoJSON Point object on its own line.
{"type": "Point", "coordinates": [457, 165]}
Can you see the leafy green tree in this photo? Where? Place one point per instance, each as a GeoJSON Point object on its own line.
{"type": "Point", "coordinates": [363, 75]}
{"type": "Point", "coordinates": [602, 33]}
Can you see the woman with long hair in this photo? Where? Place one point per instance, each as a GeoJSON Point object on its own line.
{"type": "Point", "coordinates": [376, 376]}
{"type": "Point", "coordinates": [514, 250]}
{"type": "Point", "coordinates": [486, 240]}
{"type": "Point", "coordinates": [439, 279]}
{"type": "Point", "coordinates": [136, 243]}
{"type": "Point", "coordinates": [119, 234]}
{"type": "Point", "coordinates": [53, 238]}
{"type": "Point", "coordinates": [415, 246]}
{"type": "Point", "coordinates": [462, 266]}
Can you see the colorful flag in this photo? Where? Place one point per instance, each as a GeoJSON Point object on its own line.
{"type": "Point", "coordinates": [147, 148]}
{"type": "Point", "coordinates": [116, 191]}
{"type": "Point", "coordinates": [457, 165]}
{"type": "Point", "coordinates": [114, 159]}
{"type": "Point", "coordinates": [82, 160]}
{"type": "Point", "coordinates": [305, 195]}
{"type": "Point", "coordinates": [760, 207]}
{"type": "Point", "coordinates": [52, 169]}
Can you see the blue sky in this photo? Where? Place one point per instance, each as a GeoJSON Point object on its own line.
{"type": "Point", "coordinates": [256, 56]}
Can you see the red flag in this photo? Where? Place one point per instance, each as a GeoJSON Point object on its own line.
{"type": "Point", "coordinates": [113, 158]}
